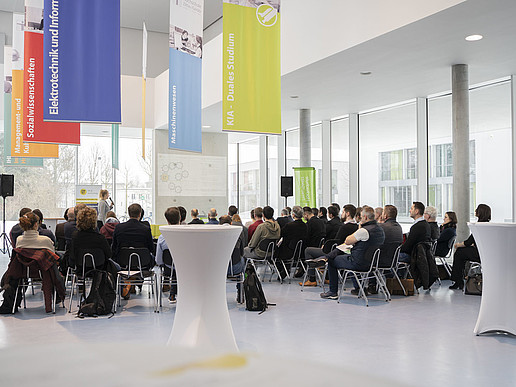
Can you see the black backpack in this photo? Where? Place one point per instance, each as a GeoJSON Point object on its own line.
{"type": "Point", "coordinates": [101, 298]}
{"type": "Point", "coordinates": [254, 297]}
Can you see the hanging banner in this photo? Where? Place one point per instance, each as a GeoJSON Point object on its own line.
{"type": "Point", "coordinates": [304, 178]}
{"type": "Point", "coordinates": [82, 61]}
{"type": "Point", "coordinates": [115, 145]}
{"type": "Point", "coordinates": [10, 161]}
{"type": "Point", "coordinates": [185, 75]}
{"type": "Point", "coordinates": [35, 129]}
{"type": "Point", "coordinates": [251, 86]}
{"type": "Point", "coordinates": [19, 148]}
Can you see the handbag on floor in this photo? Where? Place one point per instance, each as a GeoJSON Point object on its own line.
{"type": "Point", "coordinates": [473, 284]}
{"type": "Point", "coordinates": [394, 288]}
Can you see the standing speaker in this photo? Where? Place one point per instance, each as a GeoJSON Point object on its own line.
{"type": "Point", "coordinates": [287, 186]}
{"type": "Point", "coordinates": [7, 185]}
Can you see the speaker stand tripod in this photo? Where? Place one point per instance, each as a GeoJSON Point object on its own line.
{"type": "Point", "coordinates": [6, 242]}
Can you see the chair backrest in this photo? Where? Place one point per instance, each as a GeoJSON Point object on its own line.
{"type": "Point", "coordinates": [372, 254]}
{"type": "Point", "coordinates": [134, 257]}
{"type": "Point", "coordinates": [321, 243]}
{"type": "Point", "coordinates": [434, 246]}
{"type": "Point", "coordinates": [167, 257]}
{"type": "Point", "coordinates": [268, 245]}
{"type": "Point", "coordinates": [91, 259]}
{"type": "Point", "coordinates": [387, 255]}
{"type": "Point", "coordinates": [451, 246]}
{"type": "Point", "coordinates": [298, 250]}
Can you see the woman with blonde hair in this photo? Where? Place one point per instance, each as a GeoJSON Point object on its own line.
{"type": "Point", "coordinates": [104, 207]}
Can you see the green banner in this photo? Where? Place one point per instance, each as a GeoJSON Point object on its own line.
{"type": "Point", "coordinates": [10, 161]}
{"type": "Point", "coordinates": [115, 145]}
{"type": "Point", "coordinates": [304, 180]}
{"type": "Point", "coordinates": [251, 86]}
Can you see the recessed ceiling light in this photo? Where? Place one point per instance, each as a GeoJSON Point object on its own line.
{"type": "Point", "coordinates": [365, 72]}
{"type": "Point", "coordinates": [473, 38]}
{"type": "Point", "coordinates": [294, 96]}
{"type": "Point", "coordinates": [206, 126]}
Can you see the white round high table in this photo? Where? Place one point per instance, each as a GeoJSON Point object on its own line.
{"type": "Point", "coordinates": [201, 255]}
{"type": "Point", "coordinates": [496, 243]}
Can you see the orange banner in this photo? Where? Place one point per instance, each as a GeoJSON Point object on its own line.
{"type": "Point", "coordinates": [18, 147]}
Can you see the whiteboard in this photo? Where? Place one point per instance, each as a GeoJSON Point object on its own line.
{"type": "Point", "coordinates": [189, 175]}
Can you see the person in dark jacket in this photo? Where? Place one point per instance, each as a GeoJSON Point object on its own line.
{"type": "Point", "coordinates": [323, 214]}
{"type": "Point", "coordinates": [315, 228]}
{"type": "Point", "coordinates": [71, 226]}
{"type": "Point", "coordinates": [419, 232]}
{"type": "Point", "coordinates": [467, 250]}
{"type": "Point", "coordinates": [431, 217]}
{"type": "Point", "coordinates": [448, 231]}
{"type": "Point", "coordinates": [194, 214]}
{"type": "Point", "coordinates": [17, 230]}
{"type": "Point", "coordinates": [60, 233]}
{"type": "Point", "coordinates": [292, 233]}
{"type": "Point", "coordinates": [370, 234]}
{"type": "Point", "coordinates": [42, 229]}
{"type": "Point", "coordinates": [333, 225]}
{"type": "Point", "coordinates": [284, 219]}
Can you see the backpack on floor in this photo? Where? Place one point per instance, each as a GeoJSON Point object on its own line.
{"type": "Point", "coordinates": [254, 297]}
{"type": "Point", "coordinates": [101, 298]}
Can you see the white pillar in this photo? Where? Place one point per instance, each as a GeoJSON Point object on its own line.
{"type": "Point", "coordinates": [513, 127]}
{"type": "Point", "coordinates": [264, 171]}
{"type": "Point", "coordinates": [326, 164]}
{"type": "Point", "coordinates": [353, 160]}
{"type": "Point", "coordinates": [305, 138]}
{"type": "Point", "coordinates": [422, 150]}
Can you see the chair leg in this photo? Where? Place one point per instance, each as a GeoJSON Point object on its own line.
{"type": "Point", "coordinates": [71, 294]}
{"type": "Point", "coordinates": [361, 288]}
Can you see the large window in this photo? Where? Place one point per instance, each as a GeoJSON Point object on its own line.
{"type": "Point", "coordinates": [273, 191]}
{"type": "Point", "coordinates": [317, 153]}
{"type": "Point", "coordinates": [233, 174]}
{"type": "Point", "coordinates": [292, 155]}
{"type": "Point", "coordinates": [249, 180]}
{"type": "Point", "coordinates": [388, 162]}
{"type": "Point", "coordinates": [340, 161]}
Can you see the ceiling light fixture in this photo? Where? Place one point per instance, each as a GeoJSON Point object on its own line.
{"type": "Point", "coordinates": [365, 72]}
{"type": "Point", "coordinates": [473, 38]}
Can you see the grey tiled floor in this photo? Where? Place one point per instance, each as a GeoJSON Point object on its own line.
{"type": "Point", "coordinates": [424, 340]}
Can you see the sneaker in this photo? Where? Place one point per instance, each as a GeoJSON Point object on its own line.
{"type": "Point", "coordinates": [356, 291]}
{"type": "Point", "coordinates": [329, 295]}
{"type": "Point", "coordinates": [172, 299]}
{"type": "Point", "coordinates": [308, 283]}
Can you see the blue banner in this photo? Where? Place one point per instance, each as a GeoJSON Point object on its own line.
{"type": "Point", "coordinates": [82, 61]}
{"type": "Point", "coordinates": [185, 75]}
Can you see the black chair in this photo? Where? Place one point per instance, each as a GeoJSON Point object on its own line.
{"type": "Point", "coordinates": [91, 259]}
{"type": "Point", "coordinates": [136, 264]}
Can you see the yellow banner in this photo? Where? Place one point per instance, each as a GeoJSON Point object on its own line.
{"type": "Point", "coordinates": [18, 147]}
{"type": "Point", "coordinates": [251, 68]}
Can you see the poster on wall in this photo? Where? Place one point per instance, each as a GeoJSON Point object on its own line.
{"type": "Point", "coordinates": [81, 78]}
{"type": "Point", "coordinates": [185, 75]}
{"type": "Point", "coordinates": [251, 71]}
{"type": "Point", "coordinates": [87, 194]}
{"type": "Point", "coordinates": [19, 148]}
{"type": "Point", "coordinates": [304, 178]}
{"type": "Point", "coordinates": [191, 175]}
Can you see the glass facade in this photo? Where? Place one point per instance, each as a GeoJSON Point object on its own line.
{"type": "Point", "coordinates": [340, 161]}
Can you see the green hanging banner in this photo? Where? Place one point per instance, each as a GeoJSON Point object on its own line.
{"type": "Point", "coordinates": [115, 144]}
{"type": "Point", "coordinates": [16, 161]}
{"type": "Point", "coordinates": [304, 179]}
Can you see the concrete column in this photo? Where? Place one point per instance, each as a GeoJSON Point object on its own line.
{"type": "Point", "coordinates": [305, 138]}
{"type": "Point", "coordinates": [513, 126]}
{"type": "Point", "coordinates": [326, 164]}
{"type": "Point", "coordinates": [460, 135]}
{"type": "Point", "coordinates": [264, 171]}
{"type": "Point", "coordinates": [353, 160]}
{"type": "Point", "coordinates": [422, 150]}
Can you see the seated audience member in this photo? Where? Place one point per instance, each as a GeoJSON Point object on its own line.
{"type": "Point", "coordinates": [291, 234]}
{"type": "Point", "coordinates": [194, 214]}
{"type": "Point", "coordinates": [378, 212]}
{"type": "Point", "coordinates": [43, 230]}
{"type": "Point", "coordinates": [87, 237]}
{"type": "Point", "coordinates": [265, 230]}
{"type": "Point", "coordinates": [448, 231]}
{"type": "Point", "coordinates": [237, 261]}
{"type": "Point", "coordinates": [60, 233]}
{"type": "Point", "coordinates": [237, 221]}
{"type": "Point", "coordinates": [467, 250]}
{"type": "Point", "coordinates": [315, 228]}
{"type": "Point", "coordinates": [250, 222]}
{"type": "Point", "coordinates": [17, 230]}
{"type": "Point", "coordinates": [431, 217]}
{"type": "Point", "coordinates": [284, 219]}
{"type": "Point", "coordinates": [336, 205]}
{"type": "Point", "coordinates": [258, 215]}
{"type": "Point", "coordinates": [182, 213]}
{"type": "Point", "coordinates": [31, 238]}
{"type": "Point", "coordinates": [212, 216]}
{"type": "Point", "coordinates": [109, 226]}
{"type": "Point", "coordinates": [173, 216]}
{"type": "Point", "coordinates": [323, 214]}
{"type": "Point", "coordinates": [232, 210]}
{"type": "Point", "coordinates": [71, 225]}
{"type": "Point", "coordinates": [132, 233]}
{"type": "Point", "coordinates": [370, 234]}
{"type": "Point", "coordinates": [333, 225]}
{"type": "Point", "coordinates": [358, 215]}
{"type": "Point", "coordinates": [289, 213]}
{"type": "Point", "coordinates": [145, 222]}
{"type": "Point", "coordinates": [315, 212]}
{"type": "Point", "coordinates": [419, 232]}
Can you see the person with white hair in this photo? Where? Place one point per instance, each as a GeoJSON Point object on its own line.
{"type": "Point", "coordinates": [430, 215]}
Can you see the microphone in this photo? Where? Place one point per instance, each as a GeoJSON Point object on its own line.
{"type": "Point", "coordinates": [111, 200]}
